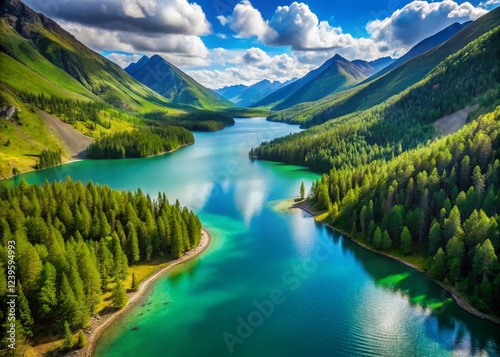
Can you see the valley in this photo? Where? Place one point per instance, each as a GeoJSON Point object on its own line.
{"type": "Point", "coordinates": [117, 166]}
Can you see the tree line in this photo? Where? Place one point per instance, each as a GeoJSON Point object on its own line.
{"type": "Point", "coordinates": [441, 201]}
{"type": "Point", "coordinates": [404, 121]}
{"type": "Point", "coordinates": [48, 158]}
{"type": "Point", "coordinates": [141, 142]}
{"type": "Point", "coordinates": [74, 242]}
{"type": "Point", "coordinates": [390, 186]}
{"type": "Point", "coordinates": [196, 121]}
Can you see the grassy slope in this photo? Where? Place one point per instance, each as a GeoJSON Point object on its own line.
{"type": "Point", "coordinates": [193, 93]}
{"type": "Point", "coordinates": [339, 76]}
{"type": "Point", "coordinates": [49, 60]}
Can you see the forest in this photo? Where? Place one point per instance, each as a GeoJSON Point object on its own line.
{"type": "Point", "coordinates": [441, 201]}
{"type": "Point", "coordinates": [141, 142]}
{"type": "Point", "coordinates": [71, 111]}
{"type": "Point", "coordinates": [403, 122]}
{"type": "Point", "coordinates": [390, 183]}
{"type": "Point", "coordinates": [73, 242]}
{"type": "Point", "coordinates": [48, 158]}
{"type": "Point", "coordinates": [196, 121]}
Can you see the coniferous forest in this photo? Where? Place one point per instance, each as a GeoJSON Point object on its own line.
{"type": "Point", "coordinates": [74, 242]}
{"type": "Point", "coordinates": [393, 184]}
{"type": "Point", "coordinates": [142, 142]}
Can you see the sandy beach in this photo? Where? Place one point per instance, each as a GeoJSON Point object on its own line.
{"type": "Point", "coordinates": [461, 301]}
{"type": "Point", "coordinates": [102, 322]}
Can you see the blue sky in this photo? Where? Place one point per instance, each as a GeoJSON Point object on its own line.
{"type": "Point", "coordinates": [227, 42]}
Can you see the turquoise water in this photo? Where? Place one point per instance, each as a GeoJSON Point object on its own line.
{"type": "Point", "coordinates": [272, 283]}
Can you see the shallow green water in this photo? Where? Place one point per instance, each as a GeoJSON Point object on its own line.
{"type": "Point", "coordinates": [299, 288]}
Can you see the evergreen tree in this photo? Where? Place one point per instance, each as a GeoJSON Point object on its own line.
{"type": "Point", "coordinates": [82, 340]}
{"type": "Point", "coordinates": [119, 297]}
{"type": "Point", "coordinates": [24, 312]}
{"type": "Point", "coordinates": [406, 244]}
{"type": "Point", "coordinates": [377, 238]}
{"type": "Point", "coordinates": [132, 244]}
{"type": "Point", "coordinates": [455, 251]}
{"type": "Point", "coordinates": [68, 337]}
{"type": "Point", "coordinates": [386, 241]}
{"type": "Point", "coordinates": [452, 225]}
{"type": "Point", "coordinates": [135, 285]}
{"type": "Point", "coordinates": [302, 190]}
{"type": "Point", "coordinates": [434, 238]}
{"type": "Point", "coordinates": [439, 267]}
{"type": "Point", "coordinates": [47, 298]}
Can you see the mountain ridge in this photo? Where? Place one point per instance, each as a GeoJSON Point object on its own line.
{"type": "Point", "coordinates": [246, 95]}
{"type": "Point", "coordinates": [169, 81]}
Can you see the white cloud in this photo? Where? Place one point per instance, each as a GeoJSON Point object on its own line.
{"type": "Point", "coordinates": [490, 4]}
{"type": "Point", "coordinates": [252, 66]}
{"type": "Point", "coordinates": [181, 49]}
{"type": "Point", "coordinates": [136, 9]}
{"type": "Point", "coordinates": [223, 20]}
{"type": "Point", "coordinates": [420, 19]}
{"type": "Point", "coordinates": [301, 29]}
{"type": "Point", "coordinates": [137, 16]}
{"type": "Point", "coordinates": [124, 59]}
{"type": "Point", "coordinates": [247, 22]}
{"type": "Point", "coordinates": [171, 27]}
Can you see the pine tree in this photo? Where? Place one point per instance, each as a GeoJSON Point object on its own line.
{"type": "Point", "coordinates": [25, 316]}
{"type": "Point", "coordinates": [386, 241]}
{"type": "Point", "coordinates": [119, 297]}
{"type": "Point", "coordinates": [434, 238]}
{"type": "Point", "coordinates": [452, 225]}
{"type": "Point", "coordinates": [82, 340]}
{"type": "Point", "coordinates": [90, 277]}
{"type": "Point", "coordinates": [406, 244]}
{"type": "Point", "coordinates": [455, 251]}
{"type": "Point", "coordinates": [133, 252]}
{"type": "Point", "coordinates": [47, 298]}
{"type": "Point", "coordinates": [302, 190]}
{"type": "Point", "coordinates": [135, 285]}
{"type": "Point", "coordinates": [67, 304]}
{"type": "Point", "coordinates": [377, 238]}
{"type": "Point", "coordinates": [68, 337]}
{"type": "Point", "coordinates": [439, 268]}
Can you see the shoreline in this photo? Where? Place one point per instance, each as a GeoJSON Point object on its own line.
{"type": "Point", "coordinates": [134, 297]}
{"type": "Point", "coordinates": [459, 298]}
{"type": "Point", "coordinates": [76, 159]}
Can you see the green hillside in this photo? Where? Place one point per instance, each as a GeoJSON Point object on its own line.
{"type": "Point", "coordinates": [404, 121]}
{"type": "Point", "coordinates": [375, 92]}
{"type": "Point", "coordinates": [333, 76]}
{"type": "Point", "coordinates": [175, 85]}
{"type": "Point", "coordinates": [392, 185]}
{"type": "Point", "coordinates": [43, 67]}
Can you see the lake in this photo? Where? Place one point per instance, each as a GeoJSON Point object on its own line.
{"type": "Point", "coordinates": [273, 282]}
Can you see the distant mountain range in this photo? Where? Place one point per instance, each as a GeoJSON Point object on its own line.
{"type": "Point", "coordinates": [246, 96]}
{"type": "Point", "coordinates": [423, 46]}
{"type": "Point", "coordinates": [333, 76]}
{"type": "Point", "coordinates": [175, 85]}
{"type": "Point", "coordinates": [338, 74]}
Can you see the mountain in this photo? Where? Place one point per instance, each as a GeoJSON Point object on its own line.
{"type": "Point", "coordinates": [333, 76]}
{"type": "Point", "coordinates": [47, 59]}
{"type": "Point", "coordinates": [375, 66]}
{"type": "Point", "coordinates": [424, 46]}
{"type": "Point", "coordinates": [169, 81]}
{"type": "Point", "coordinates": [377, 90]}
{"type": "Point", "coordinates": [43, 68]}
{"type": "Point", "coordinates": [246, 96]}
{"type": "Point", "coordinates": [413, 176]}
